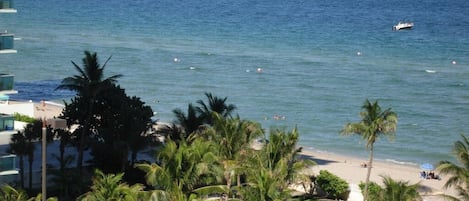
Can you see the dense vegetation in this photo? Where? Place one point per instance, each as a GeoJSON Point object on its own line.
{"type": "Point", "coordinates": [208, 151]}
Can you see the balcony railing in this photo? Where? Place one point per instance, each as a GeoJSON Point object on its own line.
{"type": "Point", "coordinates": [7, 82]}
{"type": "Point", "coordinates": [6, 43]}
{"type": "Point", "coordinates": [7, 6]}
{"type": "Point", "coordinates": [7, 122]}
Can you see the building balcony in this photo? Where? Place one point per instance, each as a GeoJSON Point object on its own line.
{"type": "Point", "coordinates": [7, 84]}
{"type": "Point", "coordinates": [7, 6]}
{"type": "Point", "coordinates": [7, 122]}
{"type": "Point", "coordinates": [6, 43]}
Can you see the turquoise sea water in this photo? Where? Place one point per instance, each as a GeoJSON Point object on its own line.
{"type": "Point", "coordinates": [320, 60]}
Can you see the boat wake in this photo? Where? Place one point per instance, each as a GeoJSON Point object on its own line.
{"type": "Point", "coordinates": [430, 71]}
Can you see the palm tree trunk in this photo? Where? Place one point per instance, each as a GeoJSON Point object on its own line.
{"type": "Point", "coordinates": [22, 171]}
{"type": "Point", "coordinates": [81, 148]}
{"type": "Point", "coordinates": [367, 181]}
{"type": "Point", "coordinates": [86, 126]}
{"type": "Point", "coordinates": [133, 158]}
{"type": "Point", "coordinates": [30, 182]}
{"type": "Point", "coordinates": [62, 156]}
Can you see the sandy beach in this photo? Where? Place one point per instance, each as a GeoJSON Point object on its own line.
{"type": "Point", "coordinates": [349, 169]}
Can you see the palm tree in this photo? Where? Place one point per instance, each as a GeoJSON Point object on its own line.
{"type": "Point", "coordinates": [459, 174]}
{"type": "Point", "coordinates": [374, 123]}
{"type": "Point", "coordinates": [263, 183]}
{"type": "Point", "coordinates": [214, 105]}
{"type": "Point", "coordinates": [18, 146]}
{"type": "Point", "coordinates": [271, 170]}
{"type": "Point", "coordinates": [8, 193]}
{"type": "Point", "coordinates": [109, 187]}
{"type": "Point", "coordinates": [32, 134]}
{"type": "Point", "coordinates": [172, 132]}
{"type": "Point", "coordinates": [191, 122]}
{"type": "Point", "coordinates": [399, 190]}
{"type": "Point", "coordinates": [88, 84]}
{"type": "Point", "coordinates": [65, 138]}
{"type": "Point", "coordinates": [183, 168]}
{"type": "Point", "coordinates": [233, 137]}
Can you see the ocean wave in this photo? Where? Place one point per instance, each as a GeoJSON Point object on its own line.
{"type": "Point", "coordinates": [401, 162]}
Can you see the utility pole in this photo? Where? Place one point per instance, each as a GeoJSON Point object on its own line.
{"type": "Point", "coordinates": [44, 156]}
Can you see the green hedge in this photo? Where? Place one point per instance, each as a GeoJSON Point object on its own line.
{"type": "Point", "coordinates": [23, 118]}
{"type": "Point", "coordinates": [374, 190]}
{"type": "Point", "coordinates": [332, 185]}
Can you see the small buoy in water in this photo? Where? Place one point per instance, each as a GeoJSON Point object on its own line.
{"type": "Point", "coordinates": [247, 70]}
{"type": "Point", "coordinates": [176, 59]}
{"type": "Point", "coordinates": [454, 62]}
{"type": "Point", "coordinates": [359, 53]}
{"type": "Point", "coordinates": [192, 68]}
{"type": "Point", "coordinates": [259, 70]}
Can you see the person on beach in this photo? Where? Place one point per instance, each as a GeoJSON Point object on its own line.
{"type": "Point", "coordinates": [423, 174]}
{"type": "Point", "coordinates": [363, 165]}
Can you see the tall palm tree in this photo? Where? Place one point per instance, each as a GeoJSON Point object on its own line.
{"type": "Point", "coordinates": [374, 123]}
{"type": "Point", "coordinates": [88, 83]}
{"type": "Point", "coordinates": [214, 105]}
{"type": "Point", "coordinates": [23, 144]}
{"type": "Point", "coordinates": [33, 133]}
{"type": "Point", "coordinates": [233, 137]}
{"type": "Point", "coordinates": [459, 175]}
{"type": "Point", "coordinates": [19, 146]}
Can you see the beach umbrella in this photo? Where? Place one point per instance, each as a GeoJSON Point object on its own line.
{"type": "Point", "coordinates": [427, 167]}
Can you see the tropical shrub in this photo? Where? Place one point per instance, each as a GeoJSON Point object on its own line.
{"type": "Point", "coordinates": [332, 185]}
{"type": "Point", "coordinates": [23, 118]}
{"type": "Point", "coordinates": [374, 190]}
{"type": "Point", "coordinates": [392, 190]}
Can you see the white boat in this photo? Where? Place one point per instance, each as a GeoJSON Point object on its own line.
{"type": "Point", "coordinates": [403, 25]}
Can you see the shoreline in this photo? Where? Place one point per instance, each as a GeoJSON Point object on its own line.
{"type": "Point", "coordinates": [349, 168]}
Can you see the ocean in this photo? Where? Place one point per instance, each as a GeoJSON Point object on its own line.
{"type": "Point", "coordinates": [320, 61]}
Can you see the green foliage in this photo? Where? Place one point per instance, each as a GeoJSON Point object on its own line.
{"type": "Point", "coordinates": [202, 155]}
{"type": "Point", "coordinates": [183, 168]}
{"type": "Point", "coordinates": [119, 131]}
{"type": "Point", "coordinates": [374, 190]}
{"type": "Point", "coordinates": [392, 190]}
{"type": "Point", "coordinates": [458, 173]}
{"type": "Point", "coordinates": [374, 123]}
{"type": "Point", "coordinates": [332, 185]}
{"type": "Point", "coordinates": [23, 118]}
{"type": "Point", "coordinates": [215, 105]}
{"type": "Point", "coordinates": [8, 193]}
{"type": "Point", "coordinates": [23, 144]}
{"type": "Point", "coordinates": [271, 170]}
{"type": "Point", "coordinates": [88, 83]}
{"type": "Point", "coordinates": [110, 187]}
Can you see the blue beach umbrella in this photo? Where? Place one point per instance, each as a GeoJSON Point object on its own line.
{"type": "Point", "coordinates": [427, 167]}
